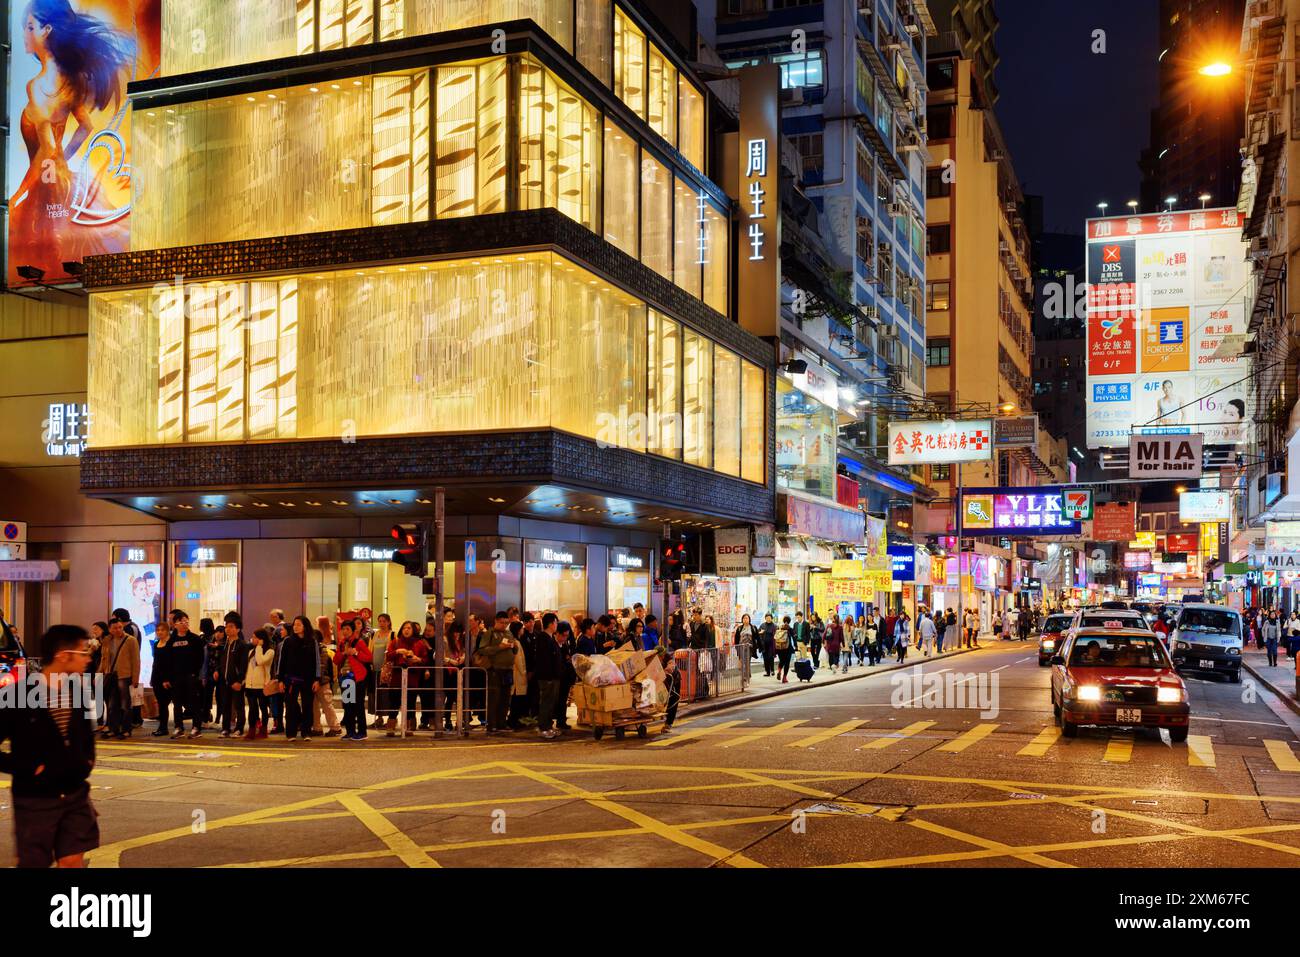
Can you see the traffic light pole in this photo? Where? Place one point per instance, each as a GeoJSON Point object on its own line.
{"type": "Point", "coordinates": [439, 618]}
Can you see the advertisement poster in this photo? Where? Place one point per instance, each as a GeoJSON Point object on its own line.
{"type": "Point", "coordinates": [1171, 288]}
{"type": "Point", "coordinates": [948, 441]}
{"type": "Point", "coordinates": [1164, 340]}
{"type": "Point", "coordinates": [69, 162]}
{"type": "Point", "coordinates": [136, 587]}
{"type": "Point", "coordinates": [1115, 522]}
{"type": "Point", "coordinates": [1164, 275]}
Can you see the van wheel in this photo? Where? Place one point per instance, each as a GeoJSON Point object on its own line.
{"type": "Point", "coordinates": [1235, 677]}
{"type": "Point", "coordinates": [1178, 735]}
{"type": "Point", "coordinates": [1069, 729]}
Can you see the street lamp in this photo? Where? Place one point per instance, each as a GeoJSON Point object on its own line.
{"type": "Point", "coordinates": [1007, 408]}
{"type": "Point", "coordinates": [1218, 68]}
{"type": "Point", "coordinates": [1204, 198]}
{"type": "Point", "coordinates": [1169, 201]}
{"type": "Point", "coordinates": [1102, 207]}
{"type": "Point", "coordinates": [1132, 204]}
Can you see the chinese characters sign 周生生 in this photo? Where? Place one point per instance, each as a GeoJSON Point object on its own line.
{"type": "Point", "coordinates": [758, 264]}
{"type": "Point", "coordinates": [66, 429]}
{"type": "Point", "coordinates": [1015, 511]}
{"type": "Point", "coordinates": [941, 442]}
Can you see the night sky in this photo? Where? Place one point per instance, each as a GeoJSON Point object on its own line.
{"type": "Point", "coordinates": [1076, 121]}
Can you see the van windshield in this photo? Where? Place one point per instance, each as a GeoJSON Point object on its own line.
{"type": "Point", "coordinates": [1210, 621]}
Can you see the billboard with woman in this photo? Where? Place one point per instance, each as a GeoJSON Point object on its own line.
{"type": "Point", "coordinates": [69, 163]}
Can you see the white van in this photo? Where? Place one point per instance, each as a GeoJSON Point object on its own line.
{"type": "Point", "coordinates": [1208, 638]}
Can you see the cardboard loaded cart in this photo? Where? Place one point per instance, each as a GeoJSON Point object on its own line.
{"type": "Point", "coordinates": [624, 689]}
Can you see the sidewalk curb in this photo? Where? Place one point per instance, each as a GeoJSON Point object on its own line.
{"type": "Point", "coordinates": [718, 704]}
{"type": "Point", "coordinates": [1288, 697]}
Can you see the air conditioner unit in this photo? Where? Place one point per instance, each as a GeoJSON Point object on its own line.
{"type": "Point", "coordinates": [792, 96]}
{"type": "Point", "coordinates": [910, 140]}
{"type": "Point", "coordinates": [896, 209]}
{"type": "Point", "coordinates": [911, 24]}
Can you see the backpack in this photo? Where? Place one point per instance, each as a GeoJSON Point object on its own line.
{"type": "Point", "coordinates": [783, 639]}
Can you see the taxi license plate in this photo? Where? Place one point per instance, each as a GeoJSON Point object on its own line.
{"type": "Point", "coordinates": [1207, 663]}
{"type": "Point", "coordinates": [1128, 715]}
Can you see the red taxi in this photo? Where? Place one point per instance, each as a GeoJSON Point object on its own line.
{"type": "Point", "coordinates": [1118, 677]}
{"type": "Point", "coordinates": [1052, 636]}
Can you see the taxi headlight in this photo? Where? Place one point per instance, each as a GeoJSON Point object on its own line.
{"type": "Point", "coordinates": [1234, 651]}
{"type": "Point", "coordinates": [1089, 692]}
{"type": "Point", "coordinates": [1169, 695]}
{"type": "Point", "coordinates": [1182, 645]}
{"type": "Point", "coordinates": [1048, 644]}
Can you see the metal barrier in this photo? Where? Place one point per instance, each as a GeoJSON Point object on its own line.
{"type": "Point", "coordinates": [399, 701]}
{"type": "Point", "coordinates": [712, 672]}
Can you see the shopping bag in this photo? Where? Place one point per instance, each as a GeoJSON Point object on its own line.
{"type": "Point", "coordinates": [137, 696]}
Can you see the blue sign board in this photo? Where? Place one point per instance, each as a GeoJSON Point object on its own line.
{"type": "Point", "coordinates": [903, 560]}
{"type": "Point", "coordinates": [471, 557]}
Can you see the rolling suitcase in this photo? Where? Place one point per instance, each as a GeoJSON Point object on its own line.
{"type": "Point", "coordinates": [803, 669]}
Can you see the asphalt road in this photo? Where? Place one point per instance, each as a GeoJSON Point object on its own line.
{"type": "Point", "coordinates": [861, 773]}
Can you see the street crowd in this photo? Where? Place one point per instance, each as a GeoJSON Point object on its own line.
{"type": "Point", "coordinates": [294, 676]}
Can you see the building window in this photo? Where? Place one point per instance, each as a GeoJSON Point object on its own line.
{"type": "Point", "coordinates": [697, 399]}
{"type": "Point", "coordinates": [937, 295]}
{"type": "Point", "coordinates": [690, 122]}
{"type": "Point", "coordinates": [866, 167]}
{"type": "Point", "coordinates": [1004, 469]}
{"type": "Point", "coordinates": [559, 147]}
{"type": "Point", "coordinates": [938, 352]}
{"type": "Point", "coordinates": [629, 63]}
{"type": "Point", "coordinates": [866, 83]}
{"type": "Point", "coordinates": [801, 70]}
{"type": "Point", "coordinates": [656, 216]}
{"type": "Point", "coordinates": [936, 183]}
{"type": "Point", "coordinates": [726, 408]}
{"type": "Point", "coordinates": [664, 415]}
{"type": "Point", "coordinates": [939, 74]}
{"type": "Point", "coordinates": [622, 184]}
{"type": "Point", "coordinates": [866, 242]}
{"type": "Point", "coordinates": [940, 473]}
{"type": "Point", "coordinates": [662, 99]}
{"type": "Point", "coordinates": [938, 239]}
{"type": "Point", "coordinates": [938, 122]}
{"type": "Point", "coordinates": [809, 147]}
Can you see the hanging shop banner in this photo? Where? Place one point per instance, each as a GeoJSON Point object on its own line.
{"type": "Point", "coordinates": [1165, 457]}
{"type": "Point", "coordinates": [1116, 522]}
{"type": "Point", "coordinates": [943, 442]}
{"type": "Point", "coordinates": [75, 201]}
{"type": "Point", "coordinates": [1137, 561]}
{"type": "Point", "coordinates": [1076, 504]}
{"type": "Point", "coordinates": [1145, 541]}
{"type": "Point", "coordinates": [847, 568]}
{"type": "Point", "coordinates": [1166, 325]}
{"type": "Point", "coordinates": [1182, 542]}
{"type": "Point", "coordinates": [1205, 506]}
{"type": "Point", "coordinates": [731, 551]}
{"type": "Point", "coordinates": [1016, 432]}
{"type": "Point", "coordinates": [1016, 511]}
{"type": "Point", "coordinates": [830, 523]}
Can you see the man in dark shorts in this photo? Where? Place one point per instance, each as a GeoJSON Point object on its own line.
{"type": "Point", "coordinates": [52, 753]}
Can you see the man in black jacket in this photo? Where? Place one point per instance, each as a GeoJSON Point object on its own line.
{"type": "Point", "coordinates": [52, 751]}
{"type": "Point", "coordinates": [233, 662]}
{"type": "Point", "coordinates": [185, 658]}
{"type": "Point", "coordinates": [548, 669]}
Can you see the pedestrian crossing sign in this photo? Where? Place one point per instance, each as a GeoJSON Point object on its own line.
{"type": "Point", "coordinates": [1076, 505]}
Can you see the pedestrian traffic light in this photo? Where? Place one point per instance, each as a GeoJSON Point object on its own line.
{"type": "Point", "coordinates": [412, 551]}
{"type": "Point", "coordinates": [672, 559]}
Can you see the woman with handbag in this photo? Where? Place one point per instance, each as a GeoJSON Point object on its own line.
{"type": "Point", "coordinates": [352, 658]}
{"type": "Point", "coordinates": [256, 677]}
{"type": "Point", "coordinates": [406, 651]}
{"type": "Point", "coordinates": [784, 643]}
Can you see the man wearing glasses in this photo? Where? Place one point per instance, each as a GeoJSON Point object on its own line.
{"type": "Point", "coordinates": [52, 751]}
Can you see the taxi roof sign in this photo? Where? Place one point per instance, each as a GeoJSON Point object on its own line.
{"type": "Point", "coordinates": [1113, 623]}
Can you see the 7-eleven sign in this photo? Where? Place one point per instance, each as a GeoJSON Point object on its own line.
{"type": "Point", "coordinates": [1076, 504]}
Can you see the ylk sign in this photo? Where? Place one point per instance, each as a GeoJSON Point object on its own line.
{"type": "Point", "coordinates": [1165, 456]}
{"type": "Point", "coordinates": [1076, 504]}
